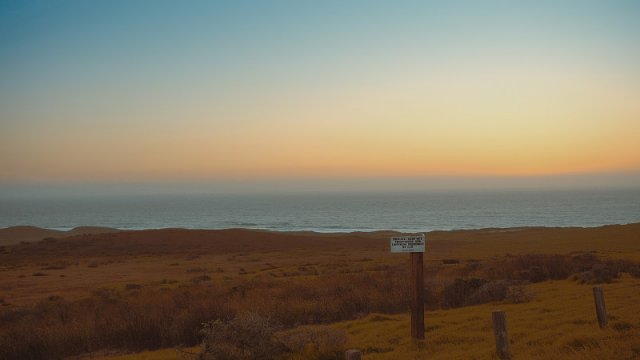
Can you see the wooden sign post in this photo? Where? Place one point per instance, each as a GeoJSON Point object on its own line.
{"type": "Point", "coordinates": [414, 245]}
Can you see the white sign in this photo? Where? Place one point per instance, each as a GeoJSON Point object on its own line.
{"type": "Point", "coordinates": [412, 243]}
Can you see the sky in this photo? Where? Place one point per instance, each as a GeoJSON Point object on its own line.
{"type": "Point", "coordinates": [96, 92]}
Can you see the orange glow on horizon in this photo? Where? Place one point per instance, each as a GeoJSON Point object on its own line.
{"type": "Point", "coordinates": [487, 115]}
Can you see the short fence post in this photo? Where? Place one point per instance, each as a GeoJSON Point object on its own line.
{"type": "Point", "coordinates": [352, 354]}
{"type": "Point", "coordinates": [500, 332]}
{"type": "Point", "coordinates": [601, 311]}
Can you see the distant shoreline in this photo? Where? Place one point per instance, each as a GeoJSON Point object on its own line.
{"type": "Point", "coordinates": [26, 233]}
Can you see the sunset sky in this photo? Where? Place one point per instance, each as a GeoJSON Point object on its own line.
{"type": "Point", "coordinates": [137, 91]}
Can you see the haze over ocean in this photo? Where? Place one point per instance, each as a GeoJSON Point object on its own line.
{"type": "Point", "coordinates": [331, 211]}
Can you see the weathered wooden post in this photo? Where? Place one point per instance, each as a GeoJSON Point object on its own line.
{"type": "Point", "coordinates": [601, 311]}
{"type": "Point", "coordinates": [352, 354]}
{"type": "Point", "coordinates": [414, 245]}
{"type": "Point", "coordinates": [500, 332]}
{"type": "Point", "coordinates": [417, 295]}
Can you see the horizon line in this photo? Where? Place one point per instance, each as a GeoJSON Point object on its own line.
{"type": "Point", "coordinates": [613, 180]}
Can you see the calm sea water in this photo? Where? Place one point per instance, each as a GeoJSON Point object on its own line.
{"type": "Point", "coordinates": [331, 212]}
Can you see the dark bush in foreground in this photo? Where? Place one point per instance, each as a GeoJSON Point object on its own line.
{"type": "Point", "coordinates": [586, 268]}
{"type": "Point", "coordinates": [314, 342]}
{"type": "Point", "coordinates": [150, 318]}
{"type": "Point", "coordinates": [599, 273]}
{"type": "Point", "coordinates": [248, 336]}
{"type": "Point", "coordinates": [479, 291]}
{"type": "Point", "coordinates": [456, 294]}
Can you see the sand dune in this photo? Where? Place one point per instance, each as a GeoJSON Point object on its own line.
{"type": "Point", "coordinates": [16, 234]}
{"type": "Point", "coordinates": [483, 243]}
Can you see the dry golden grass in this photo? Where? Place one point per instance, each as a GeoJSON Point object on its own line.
{"type": "Point", "coordinates": [154, 257]}
{"type": "Point", "coordinates": [559, 323]}
{"type": "Point", "coordinates": [189, 276]}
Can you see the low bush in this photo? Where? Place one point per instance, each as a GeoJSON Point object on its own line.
{"type": "Point", "coordinates": [480, 291]}
{"type": "Point", "coordinates": [450, 261]}
{"type": "Point", "coordinates": [150, 319]}
{"type": "Point", "coordinates": [201, 278]}
{"type": "Point", "coordinates": [132, 286]}
{"type": "Point", "coordinates": [249, 336]}
{"type": "Point", "coordinates": [314, 342]}
{"type": "Point", "coordinates": [586, 268]}
{"type": "Point", "coordinates": [460, 292]}
{"type": "Point", "coordinates": [619, 266]}
{"type": "Point", "coordinates": [518, 293]}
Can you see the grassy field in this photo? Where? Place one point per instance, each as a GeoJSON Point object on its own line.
{"type": "Point", "coordinates": [559, 323]}
{"type": "Point", "coordinates": [146, 292]}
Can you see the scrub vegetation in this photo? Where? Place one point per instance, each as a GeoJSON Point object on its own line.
{"type": "Point", "coordinates": [239, 294]}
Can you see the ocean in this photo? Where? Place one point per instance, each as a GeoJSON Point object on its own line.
{"type": "Point", "coordinates": [331, 212]}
